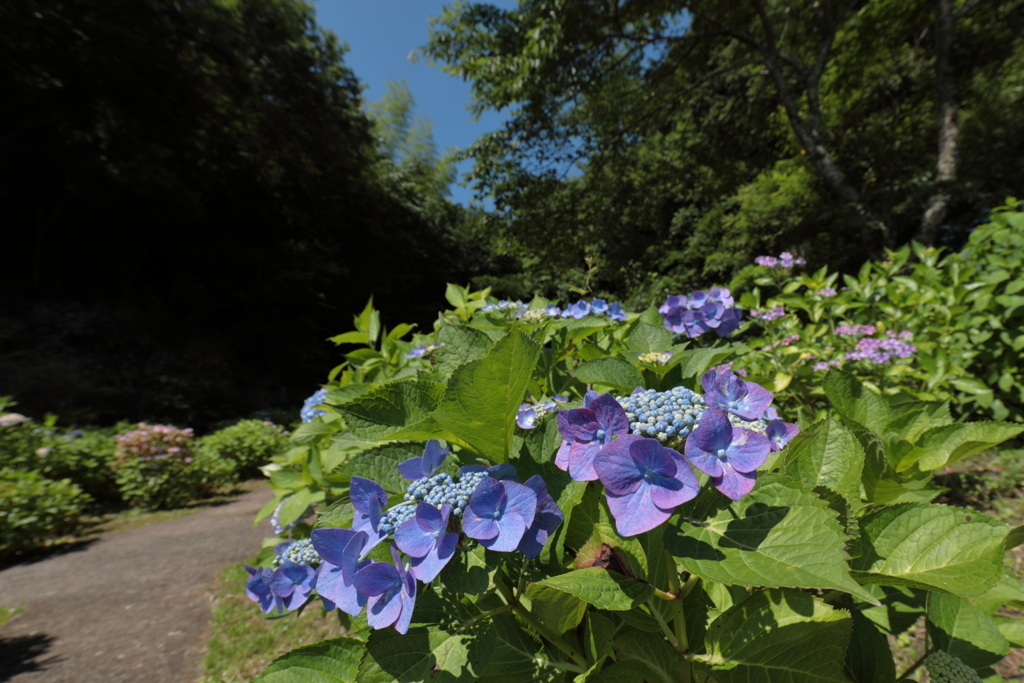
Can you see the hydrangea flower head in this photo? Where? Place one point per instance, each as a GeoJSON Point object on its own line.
{"type": "Point", "coordinates": [727, 392]}
{"type": "Point", "coordinates": [340, 550]}
{"type": "Point", "coordinates": [499, 514]}
{"type": "Point", "coordinates": [578, 310]}
{"type": "Point", "coordinates": [644, 482]}
{"type": "Point", "coordinates": [729, 455]}
{"type": "Point", "coordinates": [293, 583]}
{"type": "Point", "coordinates": [616, 313]}
{"type": "Point", "coordinates": [423, 465]}
{"type": "Point", "coordinates": [598, 306]}
{"type": "Point", "coordinates": [587, 430]}
{"type": "Point", "coordinates": [766, 261]}
{"type": "Point", "coordinates": [258, 589]}
{"type": "Point", "coordinates": [701, 312]}
{"type": "Point", "coordinates": [780, 433]}
{"type": "Point", "coordinates": [423, 538]}
{"type": "Point", "coordinates": [390, 591]}
{"type": "Point", "coordinates": [526, 417]}
{"type": "Point", "coordinates": [309, 412]}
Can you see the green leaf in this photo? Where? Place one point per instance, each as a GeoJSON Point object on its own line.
{"type": "Point", "coordinates": [612, 371]}
{"type": "Point", "coordinates": [332, 661]}
{"type": "Point", "coordinates": [868, 659]}
{"type": "Point", "coordinates": [930, 546]}
{"type": "Point", "coordinates": [827, 455]}
{"type": "Point", "coordinates": [778, 635]}
{"type": "Point", "coordinates": [294, 506]}
{"type": "Point", "coordinates": [351, 338]}
{"type": "Point", "coordinates": [655, 653]}
{"type": "Point", "coordinates": [470, 572]}
{"type": "Point", "coordinates": [598, 637]}
{"type": "Point", "coordinates": [941, 446]}
{"type": "Point", "coordinates": [385, 410]}
{"type": "Point", "coordinates": [632, 671]}
{"type": "Point", "coordinates": [381, 465]}
{"type": "Point", "coordinates": [1014, 538]}
{"type": "Point", "coordinates": [600, 587]}
{"type": "Point", "coordinates": [515, 659]}
{"type": "Point", "coordinates": [780, 534]}
{"type": "Point", "coordinates": [855, 402]}
{"type": "Point", "coordinates": [308, 432]}
{"type": "Point", "coordinates": [461, 345]}
{"type": "Point", "coordinates": [648, 338]}
{"type": "Point", "coordinates": [557, 609]}
{"type": "Point", "coordinates": [437, 648]}
{"type": "Point", "coordinates": [696, 362]}
{"type": "Point", "coordinates": [483, 396]}
{"type": "Point", "coordinates": [961, 629]}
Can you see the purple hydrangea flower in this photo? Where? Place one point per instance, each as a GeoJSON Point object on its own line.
{"type": "Point", "coordinates": [368, 498]}
{"type": "Point", "coordinates": [545, 521]}
{"type": "Point", "coordinates": [553, 311]}
{"type": "Point", "coordinates": [526, 418]}
{"type": "Point", "coordinates": [499, 513]}
{"type": "Point", "coordinates": [767, 261]}
{"type": "Point", "coordinates": [701, 312]}
{"type": "Point", "coordinates": [826, 292]}
{"type": "Point", "coordinates": [423, 538]}
{"type": "Point", "coordinates": [645, 482]}
{"type": "Point", "coordinates": [390, 592]}
{"type": "Point", "coordinates": [780, 433]}
{"type": "Point", "coordinates": [258, 589]}
{"type": "Point", "coordinates": [745, 400]}
{"type": "Point", "coordinates": [340, 550]}
{"type": "Point", "coordinates": [598, 306]}
{"type": "Point", "coordinates": [616, 313]}
{"type": "Point", "coordinates": [587, 430]}
{"type": "Point", "coordinates": [729, 455]}
{"type": "Point", "coordinates": [417, 352]}
{"type": "Point", "coordinates": [284, 588]}
{"type": "Point", "coordinates": [422, 466]}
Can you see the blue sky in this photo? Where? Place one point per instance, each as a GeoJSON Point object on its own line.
{"type": "Point", "coordinates": [381, 34]}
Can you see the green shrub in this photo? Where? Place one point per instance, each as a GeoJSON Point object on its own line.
{"type": "Point", "coordinates": [35, 510]}
{"type": "Point", "coordinates": [247, 445]}
{"type": "Point", "coordinates": [158, 467]}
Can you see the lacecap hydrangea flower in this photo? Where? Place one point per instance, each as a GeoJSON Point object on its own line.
{"type": "Point", "coordinates": [309, 410]}
{"type": "Point", "coordinates": [701, 312]}
{"type": "Point", "coordinates": [423, 530]}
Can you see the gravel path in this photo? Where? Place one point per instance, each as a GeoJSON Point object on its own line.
{"type": "Point", "coordinates": [131, 606]}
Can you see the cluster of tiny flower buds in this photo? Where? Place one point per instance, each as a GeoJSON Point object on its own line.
{"type": "Point", "coordinates": [945, 669]}
{"type": "Point", "coordinates": [655, 357]}
{"type": "Point", "coordinates": [424, 350]}
{"type": "Point", "coordinates": [154, 443]}
{"type": "Point", "coordinates": [309, 411]}
{"type": "Point", "coordinates": [440, 488]}
{"type": "Point", "coordinates": [785, 260]}
{"type": "Point", "coordinates": [667, 416]}
{"type": "Point", "coordinates": [769, 314]}
{"type": "Point", "coordinates": [299, 552]}
{"type": "Point", "coordinates": [503, 305]}
{"type": "Point", "coordinates": [883, 351]}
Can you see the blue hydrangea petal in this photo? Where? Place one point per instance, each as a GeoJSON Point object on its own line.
{"type": "Point", "coordinates": [734, 484]}
{"type": "Point", "coordinates": [502, 472]}
{"type": "Point", "coordinates": [616, 468]}
{"type": "Point", "coordinates": [549, 516]}
{"type": "Point", "coordinates": [511, 527]}
{"type": "Point", "coordinates": [340, 547]}
{"type": "Point", "coordinates": [335, 586]}
{"type": "Point", "coordinates": [635, 513]}
{"type": "Point", "coordinates": [748, 450]}
{"type": "Point", "coordinates": [712, 434]}
{"type": "Point", "coordinates": [434, 456]}
{"type": "Point", "coordinates": [427, 567]}
{"type": "Point", "coordinates": [408, 599]}
{"type": "Point", "coordinates": [412, 469]}
{"type": "Point", "coordinates": [581, 461]}
{"type": "Point", "coordinates": [521, 500]}
{"type": "Point", "coordinates": [376, 579]}
{"type": "Point", "coordinates": [411, 539]}
{"type": "Point", "coordinates": [780, 433]}
{"type": "Point", "coordinates": [610, 415]}
{"type": "Point", "coordinates": [562, 456]}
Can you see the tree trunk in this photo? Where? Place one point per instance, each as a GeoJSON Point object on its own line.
{"type": "Point", "coordinates": [949, 127]}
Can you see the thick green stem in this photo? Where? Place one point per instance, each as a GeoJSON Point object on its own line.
{"type": "Point", "coordinates": [663, 595]}
{"type": "Point", "coordinates": [540, 628]}
{"type": "Point", "coordinates": [679, 619]}
{"type": "Point", "coordinates": [664, 624]}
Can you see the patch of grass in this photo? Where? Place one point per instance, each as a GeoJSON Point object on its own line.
{"type": "Point", "coordinates": [242, 642]}
{"type": "Point", "coordinates": [8, 613]}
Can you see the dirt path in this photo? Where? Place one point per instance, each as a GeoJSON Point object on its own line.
{"type": "Point", "coordinates": [131, 606]}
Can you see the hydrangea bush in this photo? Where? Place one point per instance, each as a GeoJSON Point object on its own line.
{"type": "Point", "coordinates": [647, 514]}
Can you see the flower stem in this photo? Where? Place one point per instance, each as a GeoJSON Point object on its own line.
{"type": "Point", "coordinates": [484, 615]}
{"type": "Point", "coordinates": [658, 593]}
{"type": "Point", "coordinates": [914, 666]}
{"type": "Point", "coordinates": [540, 628]}
{"type": "Point", "coordinates": [679, 619]}
{"type": "Point", "coordinates": [664, 625]}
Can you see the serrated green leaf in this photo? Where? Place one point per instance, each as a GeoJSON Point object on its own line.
{"type": "Point", "coordinates": [598, 637]}
{"type": "Point", "coordinates": [932, 547]}
{"type": "Point", "coordinates": [625, 672]}
{"type": "Point", "coordinates": [868, 658]}
{"type": "Point", "coordinates": [828, 455]}
{"type": "Point", "coordinates": [941, 446]}
{"type": "Point", "coordinates": [855, 402]}
{"type": "Point", "coordinates": [612, 371]}
{"type": "Point", "coordinates": [332, 661]}
{"type": "Point", "coordinates": [1014, 538]}
{"type": "Point", "coordinates": [778, 635]}
{"type": "Point", "coordinates": [483, 396]}
{"type": "Point", "coordinates": [381, 465]}
{"type": "Point", "coordinates": [308, 432]}
{"type": "Point", "coordinates": [294, 506]}
{"type": "Point", "coordinates": [385, 410]}
{"type": "Point", "coordinates": [695, 362]}
{"type": "Point", "coordinates": [779, 535]}
{"type": "Point", "coordinates": [516, 658]}
{"type": "Point", "coordinates": [461, 345]}
{"type": "Point", "coordinates": [648, 338]}
{"type": "Point", "coordinates": [961, 629]}
{"type": "Point", "coordinates": [600, 587]}
{"type": "Point", "coordinates": [558, 610]}
{"type": "Point", "coordinates": [470, 572]}
{"type": "Point", "coordinates": [655, 653]}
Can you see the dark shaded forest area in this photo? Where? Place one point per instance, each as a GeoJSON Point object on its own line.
{"type": "Point", "coordinates": [193, 202]}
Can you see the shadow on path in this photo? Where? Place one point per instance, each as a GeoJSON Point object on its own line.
{"type": "Point", "coordinates": [22, 654]}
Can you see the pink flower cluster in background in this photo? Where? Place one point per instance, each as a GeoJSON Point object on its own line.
{"type": "Point", "coordinates": [883, 351]}
{"type": "Point", "coordinates": [856, 330]}
{"type": "Point", "coordinates": [728, 366]}
{"type": "Point", "coordinates": [825, 365]}
{"type": "Point", "coordinates": [154, 443]}
{"type": "Point", "coordinates": [786, 341]}
{"type": "Point", "coordinates": [769, 314]}
{"type": "Point", "coordinates": [785, 259]}
{"type": "Point", "coordinates": [827, 292]}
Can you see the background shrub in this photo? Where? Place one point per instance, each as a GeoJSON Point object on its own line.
{"type": "Point", "coordinates": [245, 445]}
{"type": "Point", "coordinates": [158, 467]}
{"type": "Point", "coordinates": [34, 509]}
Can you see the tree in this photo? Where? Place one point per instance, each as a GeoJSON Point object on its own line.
{"type": "Point", "coordinates": [720, 129]}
